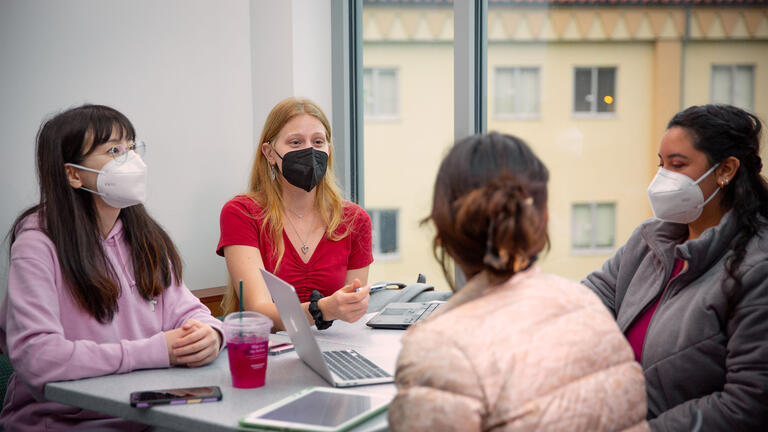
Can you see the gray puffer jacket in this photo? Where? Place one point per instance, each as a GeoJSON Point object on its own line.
{"type": "Point", "coordinates": [698, 352]}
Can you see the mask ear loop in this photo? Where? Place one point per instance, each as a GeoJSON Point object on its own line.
{"type": "Point", "coordinates": [83, 168]}
{"type": "Point", "coordinates": [273, 167]}
{"type": "Point", "coordinates": [89, 170]}
{"type": "Point", "coordinates": [706, 174]}
{"type": "Point", "coordinates": [709, 171]}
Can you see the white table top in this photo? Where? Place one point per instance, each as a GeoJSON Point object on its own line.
{"type": "Point", "coordinates": [286, 375]}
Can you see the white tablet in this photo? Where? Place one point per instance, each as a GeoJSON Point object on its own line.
{"type": "Point", "coordinates": [318, 409]}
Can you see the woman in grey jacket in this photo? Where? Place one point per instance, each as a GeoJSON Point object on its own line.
{"type": "Point", "coordinates": [690, 287]}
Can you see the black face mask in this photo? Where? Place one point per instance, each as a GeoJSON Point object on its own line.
{"type": "Point", "coordinates": [304, 168]}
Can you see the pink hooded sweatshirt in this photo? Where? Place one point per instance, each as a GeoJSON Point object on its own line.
{"type": "Point", "coordinates": [48, 337]}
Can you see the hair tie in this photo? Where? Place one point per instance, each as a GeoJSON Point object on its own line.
{"type": "Point", "coordinates": [521, 263]}
{"type": "Point", "coordinates": [528, 202]}
{"type": "Point", "coordinates": [490, 258]}
{"type": "Point", "coordinates": [497, 261]}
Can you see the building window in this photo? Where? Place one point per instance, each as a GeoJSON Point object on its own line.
{"type": "Point", "coordinates": [594, 90]}
{"type": "Point", "coordinates": [517, 92]}
{"type": "Point", "coordinates": [380, 91]}
{"type": "Point", "coordinates": [384, 227]}
{"type": "Point", "coordinates": [733, 85]}
{"type": "Point", "coordinates": [593, 227]}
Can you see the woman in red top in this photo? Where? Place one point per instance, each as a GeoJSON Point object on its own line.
{"type": "Point", "coordinates": [294, 223]}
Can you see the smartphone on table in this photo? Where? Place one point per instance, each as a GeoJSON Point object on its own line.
{"type": "Point", "coordinates": [276, 348]}
{"type": "Point", "coordinates": [178, 396]}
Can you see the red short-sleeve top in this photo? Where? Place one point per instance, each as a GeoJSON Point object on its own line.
{"type": "Point", "coordinates": [241, 223]}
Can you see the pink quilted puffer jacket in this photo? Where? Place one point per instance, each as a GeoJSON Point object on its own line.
{"type": "Point", "coordinates": [535, 353]}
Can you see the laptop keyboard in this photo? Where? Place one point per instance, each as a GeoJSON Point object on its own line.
{"type": "Point", "coordinates": [350, 365]}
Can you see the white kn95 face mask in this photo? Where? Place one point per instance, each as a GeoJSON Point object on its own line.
{"type": "Point", "coordinates": [675, 197]}
{"type": "Point", "coordinates": [121, 185]}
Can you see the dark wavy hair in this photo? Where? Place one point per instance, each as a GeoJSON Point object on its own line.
{"type": "Point", "coordinates": [722, 131]}
{"type": "Point", "coordinates": [68, 216]}
{"type": "Point", "coordinates": [489, 207]}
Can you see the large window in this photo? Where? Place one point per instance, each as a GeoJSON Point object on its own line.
{"type": "Point", "coordinates": [589, 87]}
{"type": "Point", "coordinates": [593, 227]}
{"type": "Point", "coordinates": [380, 93]}
{"type": "Point", "coordinates": [597, 149]}
{"type": "Point", "coordinates": [517, 92]}
{"type": "Point", "coordinates": [594, 90]}
{"type": "Point", "coordinates": [407, 75]}
{"type": "Point", "coordinates": [733, 85]}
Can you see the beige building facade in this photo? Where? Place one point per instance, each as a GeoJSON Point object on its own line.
{"type": "Point", "coordinates": [590, 88]}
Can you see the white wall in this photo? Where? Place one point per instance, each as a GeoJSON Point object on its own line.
{"type": "Point", "coordinates": [196, 78]}
{"type": "Point", "coordinates": [312, 51]}
{"type": "Point", "coordinates": [180, 70]}
{"type": "Point", "coordinates": [291, 54]}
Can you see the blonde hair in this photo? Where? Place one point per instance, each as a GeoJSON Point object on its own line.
{"type": "Point", "coordinates": [265, 191]}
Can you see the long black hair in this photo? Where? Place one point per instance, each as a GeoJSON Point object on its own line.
{"type": "Point", "coordinates": [722, 131]}
{"type": "Point", "coordinates": [68, 216]}
{"type": "Point", "coordinates": [489, 206]}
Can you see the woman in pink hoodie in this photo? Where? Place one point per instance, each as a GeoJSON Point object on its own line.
{"type": "Point", "coordinates": [95, 284]}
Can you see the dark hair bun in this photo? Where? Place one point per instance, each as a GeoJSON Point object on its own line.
{"type": "Point", "coordinates": [489, 207]}
{"type": "Point", "coordinates": [503, 213]}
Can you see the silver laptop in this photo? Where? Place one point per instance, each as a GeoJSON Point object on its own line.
{"type": "Point", "coordinates": [402, 315]}
{"type": "Point", "coordinates": [343, 368]}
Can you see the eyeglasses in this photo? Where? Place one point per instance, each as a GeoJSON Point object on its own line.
{"type": "Point", "coordinates": [120, 151]}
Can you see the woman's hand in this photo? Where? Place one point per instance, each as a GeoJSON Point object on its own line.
{"type": "Point", "coordinates": [193, 344]}
{"type": "Point", "coordinates": [349, 303]}
{"type": "Point", "coordinates": [171, 336]}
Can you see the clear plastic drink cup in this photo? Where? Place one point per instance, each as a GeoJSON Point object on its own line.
{"type": "Point", "coordinates": [247, 336]}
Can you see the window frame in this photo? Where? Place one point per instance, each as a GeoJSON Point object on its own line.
{"type": "Point", "coordinates": [732, 67]}
{"type": "Point", "coordinates": [375, 214]}
{"type": "Point", "coordinates": [594, 85]}
{"type": "Point", "coordinates": [346, 96]}
{"type": "Point", "coordinates": [375, 73]}
{"type": "Point", "coordinates": [516, 74]}
{"type": "Point", "coordinates": [592, 249]}
{"type": "Point", "coordinates": [470, 48]}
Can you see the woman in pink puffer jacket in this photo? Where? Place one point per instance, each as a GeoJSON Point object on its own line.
{"type": "Point", "coordinates": [515, 349]}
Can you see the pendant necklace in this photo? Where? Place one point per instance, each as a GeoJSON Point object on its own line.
{"type": "Point", "coordinates": [304, 247]}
